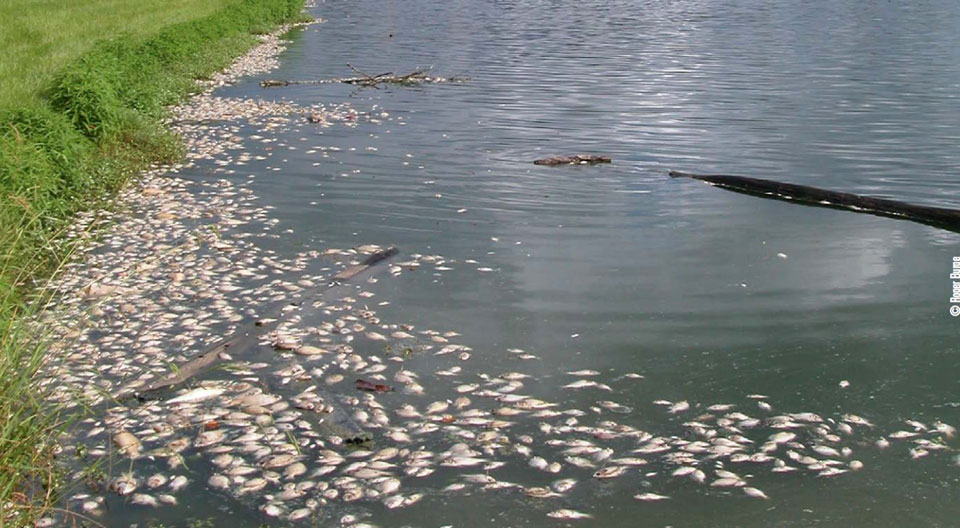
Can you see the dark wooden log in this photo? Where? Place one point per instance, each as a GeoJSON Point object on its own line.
{"type": "Point", "coordinates": [576, 159]}
{"type": "Point", "coordinates": [943, 218]}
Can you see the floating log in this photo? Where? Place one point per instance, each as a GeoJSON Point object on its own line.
{"type": "Point", "coordinates": [420, 76]}
{"type": "Point", "coordinates": [369, 386]}
{"type": "Point", "coordinates": [943, 218]}
{"type": "Point", "coordinates": [576, 159]}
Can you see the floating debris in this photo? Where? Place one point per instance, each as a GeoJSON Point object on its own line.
{"type": "Point", "coordinates": [576, 159]}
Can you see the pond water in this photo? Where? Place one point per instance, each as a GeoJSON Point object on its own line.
{"type": "Point", "coordinates": [711, 296]}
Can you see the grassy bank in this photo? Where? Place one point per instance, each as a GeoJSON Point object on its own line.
{"type": "Point", "coordinates": [74, 126]}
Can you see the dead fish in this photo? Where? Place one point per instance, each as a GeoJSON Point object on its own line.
{"type": "Point", "coordinates": [208, 438]}
{"type": "Point", "coordinates": [437, 407]}
{"type": "Point", "coordinates": [630, 461]}
{"type": "Point", "coordinates": [142, 499]}
{"type": "Point", "coordinates": [831, 472]}
{"type": "Point", "coordinates": [755, 493]}
{"type": "Point", "coordinates": [782, 437]}
{"type": "Point", "coordinates": [294, 470]}
{"type": "Point", "coordinates": [271, 510]}
{"type": "Point", "coordinates": [610, 472]}
{"type": "Point", "coordinates": [178, 483]}
{"type": "Point", "coordinates": [826, 451]}
{"type": "Point", "coordinates": [478, 478]}
{"type": "Point", "coordinates": [298, 514]}
{"type": "Point", "coordinates": [721, 407]}
{"type": "Point", "coordinates": [899, 435]}
{"type": "Point", "coordinates": [540, 493]}
{"type": "Point", "coordinates": [279, 461]}
{"type": "Point", "coordinates": [946, 429]}
{"type": "Point", "coordinates": [167, 499]}
{"type": "Point", "coordinates": [583, 372]}
{"type": "Point", "coordinates": [252, 485]}
{"type": "Point", "coordinates": [197, 395]}
{"type": "Point", "coordinates": [580, 384]}
{"type": "Point", "coordinates": [399, 436]}
{"type": "Point", "coordinates": [462, 461]}
{"type": "Point", "coordinates": [308, 350]}
{"type": "Point", "coordinates": [650, 497]}
{"type": "Point", "coordinates": [580, 462]}
{"type": "Point", "coordinates": [564, 485]}
{"type": "Point", "coordinates": [727, 482]}
{"type": "Point", "coordinates": [532, 404]}
{"type": "Point", "coordinates": [125, 484]}
{"type": "Point", "coordinates": [856, 420]}
{"type": "Point", "coordinates": [127, 444]}
{"type": "Point", "coordinates": [568, 515]}
{"type": "Point", "coordinates": [679, 407]}
{"type": "Point", "coordinates": [395, 501]}
{"type": "Point", "coordinates": [157, 480]}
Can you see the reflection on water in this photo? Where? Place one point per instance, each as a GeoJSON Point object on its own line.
{"type": "Point", "coordinates": [710, 295]}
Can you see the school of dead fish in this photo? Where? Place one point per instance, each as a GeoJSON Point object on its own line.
{"type": "Point", "coordinates": [180, 267]}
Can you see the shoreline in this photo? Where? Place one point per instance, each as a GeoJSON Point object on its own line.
{"type": "Point", "coordinates": [154, 190]}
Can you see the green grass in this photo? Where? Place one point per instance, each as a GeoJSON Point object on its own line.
{"type": "Point", "coordinates": [79, 116]}
{"type": "Point", "coordinates": [39, 37]}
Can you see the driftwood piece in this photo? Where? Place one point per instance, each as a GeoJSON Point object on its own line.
{"type": "Point", "coordinates": [419, 76]}
{"type": "Point", "coordinates": [185, 371]}
{"type": "Point", "coordinates": [576, 159]}
{"type": "Point", "coordinates": [943, 218]}
{"type": "Point", "coordinates": [245, 336]}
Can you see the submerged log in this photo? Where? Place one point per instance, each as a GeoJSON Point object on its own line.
{"type": "Point", "coordinates": [576, 159]}
{"type": "Point", "coordinates": [943, 218]}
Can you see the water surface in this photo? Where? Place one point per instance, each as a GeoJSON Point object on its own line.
{"type": "Point", "coordinates": [710, 295]}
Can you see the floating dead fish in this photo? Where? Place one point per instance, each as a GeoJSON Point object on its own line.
{"type": "Point", "coordinates": [142, 499]}
{"type": "Point", "coordinates": [647, 497]}
{"type": "Point", "coordinates": [157, 480]}
{"type": "Point", "coordinates": [568, 515]}
{"type": "Point", "coordinates": [584, 372]}
{"type": "Point", "coordinates": [125, 484]}
{"type": "Point", "coordinates": [540, 493]}
{"type": "Point", "coordinates": [218, 481]}
{"type": "Point", "coordinates": [208, 438]}
{"type": "Point", "coordinates": [178, 483]}
{"type": "Point", "coordinates": [279, 461]}
{"type": "Point", "coordinates": [727, 482]}
{"type": "Point", "coordinates": [610, 472]}
{"type": "Point", "coordinates": [581, 384]}
{"type": "Point", "coordinates": [755, 493]}
{"type": "Point", "coordinates": [197, 395]}
{"type": "Point", "coordinates": [127, 444]}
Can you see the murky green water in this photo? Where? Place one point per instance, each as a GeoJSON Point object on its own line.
{"type": "Point", "coordinates": [621, 269]}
